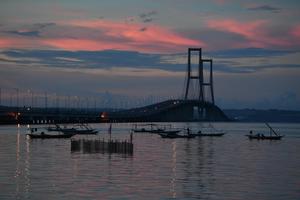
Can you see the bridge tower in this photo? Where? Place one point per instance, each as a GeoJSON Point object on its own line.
{"type": "Point", "coordinates": [204, 88]}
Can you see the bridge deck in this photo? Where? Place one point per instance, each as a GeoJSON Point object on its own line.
{"type": "Point", "coordinates": [170, 110]}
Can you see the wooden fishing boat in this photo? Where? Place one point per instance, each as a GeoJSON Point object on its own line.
{"type": "Point", "coordinates": [155, 128]}
{"type": "Point", "coordinates": [188, 131]}
{"type": "Point", "coordinates": [42, 135]}
{"type": "Point", "coordinates": [144, 128]}
{"type": "Point", "coordinates": [210, 131]}
{"type": "Point", "coordinates": [263, 137]}
{"type": "Point", "coordinates": [80, 129]}
{"type": "Point", "coordinates": [199, 134]}
{"type": "Point", "coordinates": [164, 131]}
{"type": "Point", "coordinates": [175, 135]}
{"type": "Point", "coordinates": [57, 128]}
{"type": "Point", "coordinates": [141, 130]}
{"type": "Point", "coordinates": [273, 135]}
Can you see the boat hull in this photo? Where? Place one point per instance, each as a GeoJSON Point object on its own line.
{"type": "Point", "coordinates": [141, 130]}
{"type": "Point", "coordinates": [48, 136]}
{"type": "Point", "coordinates": [165, 131]}
{"type": "Point", "coordinates": [174, 136]}
{"type": "Point", "coordinates": [209, 134]}
{"type": "Point", "coordinates": [80, 132]}
{"type": "Point", "coordinates": [255, 137]}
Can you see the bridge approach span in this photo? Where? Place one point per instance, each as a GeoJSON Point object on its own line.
{"type": "Point", "coordinates": [169, 111]}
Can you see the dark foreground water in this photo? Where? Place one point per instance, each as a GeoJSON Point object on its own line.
{"type": "Point", "coordinates": [230, 167]}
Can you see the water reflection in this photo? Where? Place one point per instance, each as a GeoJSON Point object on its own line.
{"type": "Point", "coordinates": [187, 167]}
{"type": "Point", "coordinates": [231, 167]}
{"type": "Point", "coordinates": [17, 171]}
{"type": "Point", "coordinates": [210, 163]}
{"type": "Point", "coordinates": [75, 168]}
{"type": "Point", "coordinates": [174, 162]}
{"type": "Point", "coordinates": [27, 169]}
{"type": "Point", "coordinates": [198, 167]}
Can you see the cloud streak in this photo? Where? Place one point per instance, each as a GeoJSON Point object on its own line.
{"type": "Point", "coordinates": [267, 8]}
{"type": "Point", "coordinates": [255, 32]}
{"type": "Point", "coordinates": [295, 32]}
{"type": "Point", "coordinates": [100, 34]}
{"type": "Point", "coordinates": [148, 16]}
{"type": "Point", "coordinates": [17, 42]}
{"type": "Point", "coordinates": [25, 33]}
{"type": "Point", "coordinates": [153, 39]}
{"type": "Point", "coordinates": [31, 31]}
{"type": "Point", "coordinates": [95, 35]}
{"type": "Point", "coordinates": [230, 61]}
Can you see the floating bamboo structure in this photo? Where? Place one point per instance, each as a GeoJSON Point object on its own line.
{"type": "Point", "coordinates": [101, 146]}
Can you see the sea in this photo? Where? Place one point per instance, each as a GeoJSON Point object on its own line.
{"type": "Point", "coordinates": [230, 167]}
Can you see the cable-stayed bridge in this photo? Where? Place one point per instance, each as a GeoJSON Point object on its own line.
{"type": "Point", "coordinates": [197, 104]}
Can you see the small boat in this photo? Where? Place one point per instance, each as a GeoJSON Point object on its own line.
{"type": "Point", "coordinates": [34, 135]}
{"type": "Point", "coordinates": [143, 129]}
{"type": "Point", "coordinates": [80, 132]}
{"type": "Point", "coordinates": [42, 135]}
{"type": "Point", "coordinates": [210, 131]}
{"type": "Point", "coordinates": [57, 127]}
{"type": "Point", "coordinates": [259, 136]}
{"type": "Point", "coordinates": [81, 129]}
{"type": "Point", "coordinates": [262, 137]}
{"type": "Point", "coordinates": [200, 134]}
{"type": "Point", "coordinates": [164, 131]}
{"type": "Point", "coordinates": [175, 135]}
{"type": "Point", "coordinates": [155, 128]}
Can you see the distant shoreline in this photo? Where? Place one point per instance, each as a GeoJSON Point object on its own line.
{"type": "Point", "coordinates": [257, 115]}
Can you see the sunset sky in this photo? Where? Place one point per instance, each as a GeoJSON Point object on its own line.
{"type": "Point", "coordinates": [138, 48]}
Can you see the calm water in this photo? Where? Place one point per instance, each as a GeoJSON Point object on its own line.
{"type": "Point", "coordinates": [230, 167]}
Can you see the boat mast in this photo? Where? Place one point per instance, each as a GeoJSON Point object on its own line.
{"type": "Point", "coordinates": [271, 129]}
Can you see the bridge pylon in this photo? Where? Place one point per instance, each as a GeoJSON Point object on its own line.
{"type": "Point", "coordinates": [203, 87]}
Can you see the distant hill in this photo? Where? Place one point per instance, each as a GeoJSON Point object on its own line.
{"type": "Point", "coordinates": [253, 115]}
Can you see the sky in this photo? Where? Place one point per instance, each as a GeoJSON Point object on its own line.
{"type": "Point", "coordinates": [137, 49]}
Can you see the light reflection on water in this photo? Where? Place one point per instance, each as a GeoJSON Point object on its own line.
{"type": "Point", "coordinates": [231, 167]}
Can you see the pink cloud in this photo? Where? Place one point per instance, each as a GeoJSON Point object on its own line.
{"type": "Point", "coordinates": [129, 36]}
{"type": "Point", "coordinates": [16, 42]}
{"type": "Point", "coordinates": [254, 31]}
{"type": "Point", "coordinates": [92, 35]}
{"type": "Point", "coordinates": [5, 42]}
{"type": "Point", "coordinates": [82, 44]}
{"type": "Point", "coordinates": [248, 29]}
{"type": "Point", "coordinates": [296, 31]}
